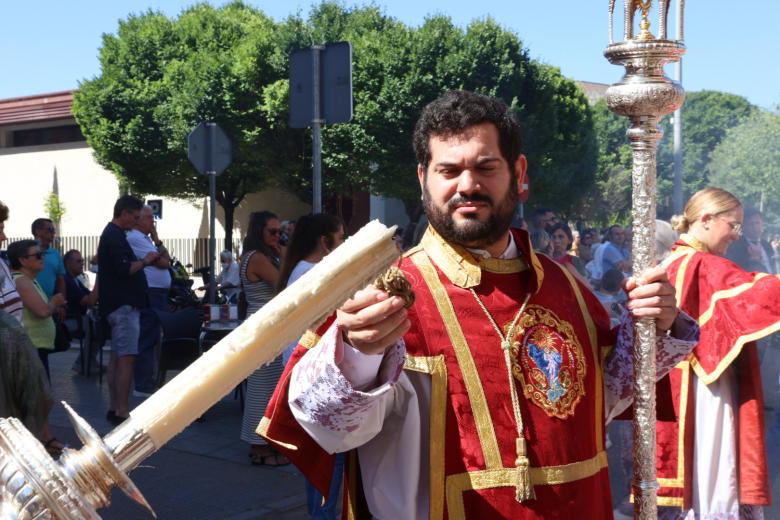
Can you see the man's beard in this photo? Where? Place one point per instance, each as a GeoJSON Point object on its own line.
{"type": "Point", "coordinates": [471, 232]}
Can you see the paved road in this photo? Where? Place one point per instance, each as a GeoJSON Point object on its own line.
{"type": "Point", "coordinates": [202, 474]}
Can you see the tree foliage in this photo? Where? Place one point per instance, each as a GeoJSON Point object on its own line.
{"type": "Point", "coordinates": [747, 163]}
{"type": "Point", "coordinates": [707, 116]}
{"type": "Point", "coordinates": [161, 76]}
{"type": "Point", "coordinates": [609, 200]}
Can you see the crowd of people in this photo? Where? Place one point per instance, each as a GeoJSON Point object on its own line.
{"type": "Point", "coordinates": [491, 395]}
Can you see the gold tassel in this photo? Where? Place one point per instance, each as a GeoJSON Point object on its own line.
{"type": "Point", "coordinates": [524, 490]}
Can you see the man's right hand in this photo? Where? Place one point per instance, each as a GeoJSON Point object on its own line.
{"type": "Point", "coordinates": [373, 321]}
{"type": "Point", "coordinates": [58, 300]}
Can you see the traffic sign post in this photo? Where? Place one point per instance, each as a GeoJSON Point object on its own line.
{"type": "Point", "coordinates": [320, 92]}
{"type": "Point", "coordinates": [210, 152]}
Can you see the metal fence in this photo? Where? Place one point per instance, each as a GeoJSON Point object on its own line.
{"type": "Point", "coordinates": [189, 251]}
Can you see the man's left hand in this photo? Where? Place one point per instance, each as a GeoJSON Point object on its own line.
{"type": "Point", "coordinates": [651, 295]}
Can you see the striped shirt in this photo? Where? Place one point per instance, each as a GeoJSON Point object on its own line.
{"type": "Point", "coordinates": [10, 301]}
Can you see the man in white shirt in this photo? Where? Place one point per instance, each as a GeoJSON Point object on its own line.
{"type": "Point", "coordinates": [228, 279]}
{"type": "Point", "coordinates": [143, 239]}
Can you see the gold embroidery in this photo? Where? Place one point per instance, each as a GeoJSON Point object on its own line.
{"type": "Point", "coordinates": [309, 339]}
{"type": "Point", "coordinates": [496, 265]}
{"type": "Point", "coordinates": [482, 418]}
{"type": "Point", "coordinates": [599, 385]}
{"type": "Point", "coordinates": [458, 265]}
{"type": "Point", "coordinates": [462, 268]}
{"type": "Point", "coordinates": [535, 327]}
{"type": "Point", "coordinates": [505, 477]}
{"type": "Point", "coordinates": [436, 366]}
{"type": "Point", "coordinates": [694, 242]}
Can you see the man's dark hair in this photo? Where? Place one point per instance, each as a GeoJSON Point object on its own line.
{"type": "Point", "coordinates": [459, 109]}
{"type": "Point", "coordinates": [66, 258]}
{"type": "Point", "coordinates": [612, 280]}
{"type": "Point", "coordinates": [608, 234]}
{"type": "Point", "coordinates": [752, 212]}
{"type": "Point", "coordinates": [538, 215]}
{"type": "Point", "coordinates": [127, 203]}
{"type": "Point", "coordinates": [18, 250]}
{"type": "Point", "coordinates": [40, 223]}
{"type": "Point", "coordinates": [3, 212]}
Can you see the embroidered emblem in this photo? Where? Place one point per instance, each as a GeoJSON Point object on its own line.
{"type": "Point", "coordinates": [548, 362]}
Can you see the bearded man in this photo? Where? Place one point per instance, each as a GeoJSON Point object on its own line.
{"type": "Point", "coordinates": [487, 398]}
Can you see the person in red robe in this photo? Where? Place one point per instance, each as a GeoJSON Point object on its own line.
{"type": "Point", "coordinates": [488, 397]}
{"type": "Point", "coordinates": [712, 460]}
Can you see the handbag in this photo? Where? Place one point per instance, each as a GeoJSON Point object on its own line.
{"type": "Point", "coordinates": [61, 337]}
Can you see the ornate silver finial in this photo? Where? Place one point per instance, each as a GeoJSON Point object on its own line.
{"type": "Point", "coordinates": [630, 8]}
{"type": "Point", "coordinates": [644, 95]}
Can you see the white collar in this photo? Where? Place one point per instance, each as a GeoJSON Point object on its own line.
{"type": "Point", "coordinates": [509, 253]}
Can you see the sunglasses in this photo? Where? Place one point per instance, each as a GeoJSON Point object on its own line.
{"type": "Point", "coordinates": [274, 231]}
{"type": "Point", "coordinates": [37, 255]}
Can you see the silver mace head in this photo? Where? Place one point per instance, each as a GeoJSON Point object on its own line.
{"type": "Point", "coordinates": [34, 486]}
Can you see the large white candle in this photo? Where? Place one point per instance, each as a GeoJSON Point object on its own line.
{"type": "Point", "coordinates": [263, 336]}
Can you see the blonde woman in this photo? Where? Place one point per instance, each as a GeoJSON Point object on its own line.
{"type": "Point", "coordinates": [712, 461]}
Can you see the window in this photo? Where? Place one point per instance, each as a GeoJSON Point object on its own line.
{"type": "Point", "coordinates": [50, 135]}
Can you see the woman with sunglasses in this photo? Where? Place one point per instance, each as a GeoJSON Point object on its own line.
{"type": "Point", "coordinates": [712, 460]}
{"type": "Point", "coordinates": [26, 260]}
{"type": "Point", "coordinates": [259, 273]}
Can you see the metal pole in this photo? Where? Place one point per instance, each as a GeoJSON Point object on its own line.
{"type": "Point", "coordinates": [317, 131]}
{"type": "Point", "coordinates": [677, 196]}
{"type": "Point", "coordinates": [643, 95]}
{"type": "Point", "coordinates": [212, 209]}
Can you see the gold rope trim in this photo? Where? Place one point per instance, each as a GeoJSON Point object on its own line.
{"type": "Point", "coordinates": [482, 418]}
{"type": "Point", "coordinates": [309, 339]}
{"type": "Point", "coordinates": [437, 368]}
{"type": "Point", "coordinates": [599, 386]}
{"type": "Point", "coordinates": [505, 477]}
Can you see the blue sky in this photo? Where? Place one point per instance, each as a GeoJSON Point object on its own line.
{"type": "Point", "coordinates": [732, 46]}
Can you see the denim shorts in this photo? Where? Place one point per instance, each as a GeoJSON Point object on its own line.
{"type": "Point", "coordinates": [125, 323]}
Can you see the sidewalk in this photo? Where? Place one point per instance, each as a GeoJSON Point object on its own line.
{"type": "Point", "coordinates": [202, 474]}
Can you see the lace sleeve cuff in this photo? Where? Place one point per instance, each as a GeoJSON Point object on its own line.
{"type": "Point", "coordinates": [324, 400]}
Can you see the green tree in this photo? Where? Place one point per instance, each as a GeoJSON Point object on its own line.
{"type": "Point", "coordinates": [707, 116]}
{"type": "Point", "coordinates": [747, 163]}
{"type": "Point", "coordinates": [397, 70]}
{"type": "Point", "coordinates": [54, 207]}
{"type": "Point", "coordinates": [160, 77]}
{"type": "Point", "coordinates": [609, 201]}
